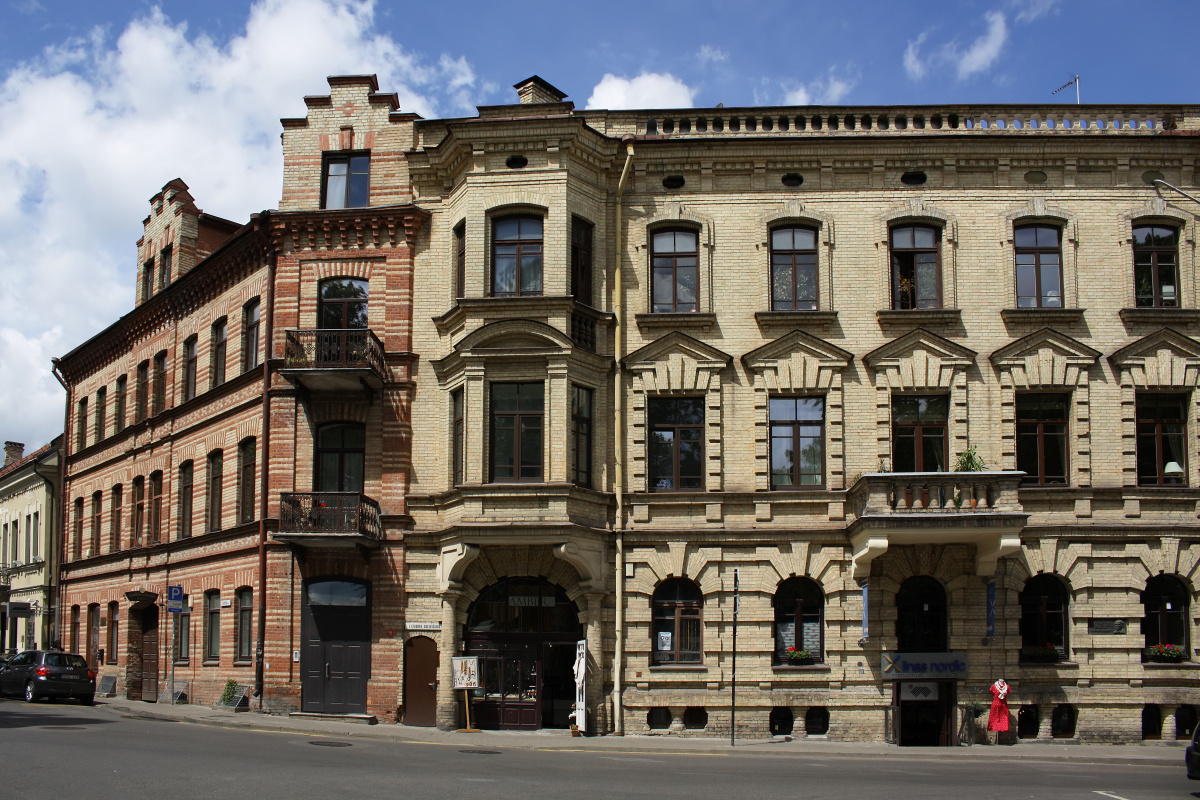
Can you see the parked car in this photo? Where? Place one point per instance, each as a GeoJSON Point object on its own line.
{"type": "Point", "coordinates": [48, 673]}
{"type": "Point", "coordinates": [1192, 756]}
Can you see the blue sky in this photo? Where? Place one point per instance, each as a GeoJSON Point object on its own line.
{"type": "Point", "coordinates": [101, 103]}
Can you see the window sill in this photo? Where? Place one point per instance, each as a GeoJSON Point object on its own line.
{"type": "Point", "coordinates": [210, 663]}
{"type": "Point", "coordinates": [1045, 316]}
{"type": "Point", "coordinates": [1186, 664]}
{"type": "Point", "coordinates": [768, 319]}
{"type": "Point", "coordinates": [678, 668]}
{"type": "Point", "coordinates": [1063, 664]}
{"type": "Point", "coordinates": [801, 668]}
{"type": "Point", "coordinates": [702, 320]}
{"type": "Point", "coordinates": [919, 316]}
{"type": "Point", "coordinates": [183, 663]}
{"type": "Point", "coordinates": [244, 663]}
{"type": "Point", "coordinates": [1159, 316]}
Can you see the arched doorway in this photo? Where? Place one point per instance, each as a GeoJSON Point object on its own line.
{"type": "Point", "coordinates": [335, 662]}
{"type": "Point", "coordinates": [925, 708]}
{"type": "Point", "coordinates": [420, 682]}
{"type": "Point", "coordinates": [524, 631]}
{"type": "Point", "coordinates": [921, 616]}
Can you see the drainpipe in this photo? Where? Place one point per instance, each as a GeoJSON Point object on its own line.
{"type": "Point", "coordinates": [619, 438]}
{"type": "Point", "coordinates": [264, 470]}
{"type": "Point", "coordinates": [61, 523]}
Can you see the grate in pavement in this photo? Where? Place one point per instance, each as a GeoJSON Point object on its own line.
{"type": "Point", "coordinates": [63, 728]}
{"type": "Point", "coordinates": [321, 743]}
{"type": "Point", "coordinates": [481, 752]}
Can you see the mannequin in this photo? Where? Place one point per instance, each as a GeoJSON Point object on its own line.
{"type": "Point", "coordinates": [998, 718]}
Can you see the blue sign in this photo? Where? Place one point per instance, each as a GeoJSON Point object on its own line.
{"type": "Point", "coordinates": [905, 666]}
{"type": "Point", "coordinates": [991, 608]}
{"type": "Point", "coordinates": [175, 599]}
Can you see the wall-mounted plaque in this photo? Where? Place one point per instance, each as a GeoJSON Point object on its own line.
{"type": "Point", "coordinates": [1106, 626]}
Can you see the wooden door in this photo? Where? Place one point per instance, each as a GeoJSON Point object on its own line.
{"type": "Point", "coordinates": [150, 654]}
{"type": "Point", "coordinates": [335, 661]}
{"type": "Point", "coordinates": [420, 682]}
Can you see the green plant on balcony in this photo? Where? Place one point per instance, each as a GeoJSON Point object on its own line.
{"type": "Point", "coordinates": [968, 460]}
{"type": "Point", "coordinates": [1169, 653]}
{"type": "Point", "coordinates": [796, 656]}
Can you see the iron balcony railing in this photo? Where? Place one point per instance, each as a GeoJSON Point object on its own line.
{"type": "Point", "coordinates": [348, 348]}
{"type": "Point", "coordinates": [330, 514]}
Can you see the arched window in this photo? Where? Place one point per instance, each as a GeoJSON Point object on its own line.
{"type": "Point", "coordinates": [343, 304]}
{"type": "Point", "coordinates": [1039, 266]}
{"type": "Point", "coordinates": [524, 606]}
{"type": "Point", "coordinates": [799, 611]}
{"type": "Point", "coordinates": [1155, 266]}
{"type": "Point", "coordinates": [794, 269]}
{"type": "Point", "coordinates": [676, 633]}
{"type": "Point", "coordinates": [517, 256]}
{"type": "Point", "coordinates": [341, 456]}
{"type": "Point", "coordinates": [916, 267]}
{"type": "Point", "coordinates": [921, 616]}
{"type": "Point", "coordinates": [675, 271]}
{"type": "Point", "coordinates": [1165, 622]}
{"type": "Point", "coordinates": [1044, 626]}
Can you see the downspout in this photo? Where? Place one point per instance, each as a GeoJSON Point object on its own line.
{"type": "Point", "coordinates": [619, 448]}
{"type": "Point", "coordinates": [264, 470]}
{"type": "Point", "coordinates": [61, 522]}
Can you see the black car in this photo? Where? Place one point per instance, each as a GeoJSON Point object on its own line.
{"type": "Point", "coordinates": [48, 673]}
{"type": "Point", "coordinates": [1192, 756]}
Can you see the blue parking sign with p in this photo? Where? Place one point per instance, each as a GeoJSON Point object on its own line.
{"type": "Point", "coordinates": [175, 599]}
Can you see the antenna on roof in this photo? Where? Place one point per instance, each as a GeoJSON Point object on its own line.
{"type": "Point", "coordinates": [1075, 81]}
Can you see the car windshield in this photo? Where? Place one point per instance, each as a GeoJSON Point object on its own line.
{"type": "Point", "coordinates": [64, 660]}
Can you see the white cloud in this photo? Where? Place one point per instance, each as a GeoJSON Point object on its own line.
{"type": "Point", "coordinates": [711, 55]}
{"type": "Point", "coordinates": [828, 90]}
{"type": "Point", "coordinates": [648, 90]}
{"type": "Point", "coordinates": [94, 127]}
{"type": "Point", "coordinates": [978, 57]}
{"type": "Point", "coordinates": [913, 65]}
{"type": "Point", "coordinates": [1030, 10]}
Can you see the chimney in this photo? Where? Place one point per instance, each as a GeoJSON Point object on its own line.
{"type": "Point", "coordinates": [13, 451]}
{"type": "Point", "coordinates": [535, 90]}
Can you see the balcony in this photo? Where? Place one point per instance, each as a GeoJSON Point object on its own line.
{"type": "Point", "coordinates": [332, 360]}
{"type": "Point", "coordinates": [329, 519]}
{"type": "Point", "coordinates": [903, 508]}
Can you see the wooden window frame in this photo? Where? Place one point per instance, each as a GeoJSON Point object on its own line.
{"type": "Point", "coordinates": [581, 435]}
{"type": "Point", "coordinates": [182, 634]}
{"type": "Point", "coordinates": [796, 426]}
{"type": "Point", "coordinates": [212, 627]}
{"type": "Point", "coordinates": [900, 254]}
{"type": "Point", "coordinates": [676, 611]}
{"type": "Point", "coordinates": [77, 530]}
{"type": "Point", "coordinates": [793, 258]}
{"type": "Point", "coordinates": [81, 423]}
{"type": "Point", "coordinates": [518, 418]}
{"type": "Point", "coordinates": [251, 328]}
{"type": "Point", "coordinates": [1154, 426]}
{"type": "Point", "coordinates": [139, 511]}
{"type": "Point", "coordinates": [797, 613]}
{"type": "Point", "coordinates": [159, 381]}
{"type": "Point", "coordinates": [457, 440]}
{"type": "Point", "coordinates": [321, 449]}
{"type": "Point", "coordinates": [247, 463]}
{"type": "Point", "coordinates": [671, 261]}
{"type": "Point", "coordinates": [1037, 253]}
{"type": "Point", "coordinates": [1157, 616]}
{"type": "Point", "coordinates": [100, 412]}
{"type": "Point", "coordinates": [116, 498]}
{"type": "Point", "coordinates": [112, 635]}
{"type": "Point", "coordinates": [1037, 612]}
{"type": "Point", "coordinates": [1155, 251]}
{"type": "Point", "coordinates": [919, 429]}
{"type": "Point", "coordinates": [97, 516]}
{"type": "Point", "coordinates": [654, 406]}
{"type": "Point", "coordinates": [190, 366]}
{"type": "Point", "coordinates": [215, 481]}
{"type": "Point", "coordinates": [1036, 426]}
{"type": "Point", "coordinates": [581, 260]}
{"type": "Point", "coordinates": [120, 401]}
{"type": "Point", "coordinates": [351, 160]}
{"type": "Point", "coordinates": [154, 507]}
{"type": "Point", "coordinates": [521, 245]}
{"type": "Point", "coordinates": [164, 267]}
{"type": "Point", "coordinates": [219, 353]}
{"type": "Point", "coordinates": [244, 635]}
{"type": "Point", "coordinates": [187, 498]}
{"type": "Point", "coordinates": [460, 260]}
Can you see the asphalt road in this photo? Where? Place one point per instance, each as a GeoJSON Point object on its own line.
{"type": "Point", "coordinates": [68, 751]}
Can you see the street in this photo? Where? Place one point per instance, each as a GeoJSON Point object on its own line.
{"type": "Point", "coordinates": [65, 750]}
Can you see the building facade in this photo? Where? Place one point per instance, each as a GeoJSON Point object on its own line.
{"type": "Point", "coordinates": [917, 386]}
{"type": "Point", "coordinates": [28, 561]}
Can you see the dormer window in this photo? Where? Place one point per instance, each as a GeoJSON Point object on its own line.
{"type": "Point", "coordinates": [347, 181]}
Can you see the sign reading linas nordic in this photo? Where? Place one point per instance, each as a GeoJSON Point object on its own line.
{"type": "Point", "coordinates": [906, 666]}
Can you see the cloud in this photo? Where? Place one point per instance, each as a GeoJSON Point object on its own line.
{"type": "Point", "coordinates": [648, 90]}
{"type": "Point", "coordinates": [828, 90]}
{"type": "Point", "coordinates": [1030, 10]}
{"type": "Point", "coordinates": [94, 126]}
{"type": "Point", "coordinates": [711, 55]}
{"type": "Point", "coordinates": [978, 57]}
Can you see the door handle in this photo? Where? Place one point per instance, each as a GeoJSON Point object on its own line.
{"type": "Point", "coordinates": [433, 685]}
{"type": "Point", "coordinates": [326, 670]}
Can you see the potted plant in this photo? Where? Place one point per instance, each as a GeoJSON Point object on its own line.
{"type": "Point", "coordinates": [1041, 654]}
{"type": "Point", "coordinates": [798, 657]}
{"type": "Point", "coordinates": [1167, 653]}
{"type": "Point", "coordinates": [968, 460]}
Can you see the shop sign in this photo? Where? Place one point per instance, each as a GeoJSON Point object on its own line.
{"type": "Point", "coordinates": [910, 690]}
{"type": "Point", "coordinates": [899, 666]}
{"type": "Point", "coordinates": [20, 610]}
{"type": "Point", "coordinates": [423, 626]}
{"type": "Point", "coordinates": [466, 672]}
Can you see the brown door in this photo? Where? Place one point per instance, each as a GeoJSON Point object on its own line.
{"type": "Point", "coordinates": [335, 663]}
{"type": "Point", "coordinates": [420, 682]}
{"type": "Point", "coordinates": [150, 654]}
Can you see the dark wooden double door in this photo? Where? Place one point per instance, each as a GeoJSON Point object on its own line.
{"type": "Point", "coordinates": [335, 662]}
{"type": "Point", "coordinates": [149, 655]}
{"type": "Point", "coordinates": [525, 683]}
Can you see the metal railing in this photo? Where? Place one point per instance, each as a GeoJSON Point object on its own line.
{"type": "Point", "coordinates": [348, 348]}
{"type": "Point", "coordinates": [329, 513]}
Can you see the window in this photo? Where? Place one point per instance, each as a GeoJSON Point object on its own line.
{"type": "Point", "coordinates": [341, 456]}
{"type": "Point", "coordinates": [517, 431]}
{"type": "Point", "coordinates": [916, 267]}
{"type": "Point", "coordinates": [212, 626]}
{"type": "Point", "coordinates": [94, 545]}
{"type": "Point", "coordinates": [213, 516]}
{"type": "Point", "coordinates": [347, 181]}
{"type": "Point", "coordinates": [343, 304]}
{"type": "Point", "coordinates": [919, 433]}
{"type": "Point", "coordinates": [1039, 266]}
{"type": "Point", "coordinates": [245, 617]}
{"type": "Point", "coordinates": [676, 607]}
{"type": "Point", "coordinates": [186, 496]}
{"type": "Point", "coordinates": [34, 533]}
{"type": "Point", "coordinates": [457, 452]}
{"type": "Point", "coordinates": [183, 633]}
{"type": "Point", "coordinates": [1165, 601]}
{"type": "Point", "coordinates": [517, 256]}
{"type": "Point", "coordinates": [75, 629]}
{"type": "Point", "coordinates": [220, 343]}
{"type": "Point", "coordinates": [675, 266]}
{"type": "Point", "coordinates": [114, 521]}
{"type": "Point", "coordinates": [119, 402]}
{"type": "Point", "coordinates": [251, 316]}
{"type": "Point", "coordinates": [154, 528]}
{"type": "Point", "coordinates": [101, 411]}
{"type": "Point", "coordinates": [81, 423]}
{"type": "Point", "coordinates": [794, 269]}
{"type": "Point", "coordinates": [110, 644]}
{"type": "Point", "coordinates": [139, 509]}
{"type": "Point", "coordinates": [581, 260]}
{"type": "Point", "coordinates": [160, 383]}
{"type": "Point", "coordinates": [581, 433]}
{"type": "Point", "coordinates": [1155, 266]}
{"type": "Point", "coordinates": [1161, 439]}
{"type": "Point", "coordinates": [797, 442]}
{"type": "Point", "coordinates": [77, 543]}
{"type": "Point", "coordinates": [921, 616]}
{"type": "Point", "coordinates": [676, 452]}
{"type": "Point", "coordinates": [147, 279]}
{"type": "Point", "coordinates": [1044, 622]}
{"type": "Point", "coordinates": [799, 605]}
{"type": "Point", "coordinates": [164, 267]}
{"type": "Point", "coordinates": [460, 260]}
{"type": "Point", "coordinates": [1042, 438]}
{"type": "Point", "coordinates": [189, 368]}
{"type": "Point", "coordinates": [246, 458]}
{"type": "Point", "coordinates": [93, 633]}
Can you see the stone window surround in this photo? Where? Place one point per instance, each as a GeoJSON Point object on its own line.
{"type": "Point", "coordinates": [1036, 212]}
{"type": "Point", "coordinates": [673, 215]}
{"type": "Point", "coordinates": [917, 212]}
{"type": "Point", "coordinates": [795, 214]}
{"type": "Point", "coordinates": [1157, 212]}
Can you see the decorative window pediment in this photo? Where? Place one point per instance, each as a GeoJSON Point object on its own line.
{"type": "Point", "coordinates": [677, 363]}
{"type": "Point", "coordinates": [796, 361]}
{"type": "Point", "coordinates": [1044, 358]}
{"type": "Point", "coordinates": [514, 338]}
{"type": "Point", "coordinates": [920, 359]}
{"type": "Point", "coordinates": [1165, 358]}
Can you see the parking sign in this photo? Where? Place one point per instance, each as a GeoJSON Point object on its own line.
{"type": "Point", "coordinates": [175, 599]}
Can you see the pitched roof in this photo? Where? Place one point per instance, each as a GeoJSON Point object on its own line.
{"type": "Point", "coordinates": [36, 455]}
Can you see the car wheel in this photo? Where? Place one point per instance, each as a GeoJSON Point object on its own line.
{"type": "Point", "coordinates": [30, 695]}
{"type": "Point", "coordinates": [90, 700]}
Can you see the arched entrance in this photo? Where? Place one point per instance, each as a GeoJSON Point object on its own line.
{"type": "Point", "coordinates": [420, 682]}
{"type": "Point", "coordinates": [524, 631]}
{"type": "Point", "coordinates": [335, 661]}
{"type": "Point", "coordinates": [921, 616]}
{"type": "Point", "coordinates": [925, 708]}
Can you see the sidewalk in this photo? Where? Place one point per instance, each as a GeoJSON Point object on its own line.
{"type": "Point", "coordinates": [1157, 754]}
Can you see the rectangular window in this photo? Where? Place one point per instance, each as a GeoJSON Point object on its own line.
{"type": "Point", "coordinates": [76, 533]}
{"type": "Point", "coordinates": [251, 317]}
{"type": "Point", "coordinates": [186, 493]}
{"type": "Point", "coordinates": [347, 181]}
{"type": "Point", "coordinates": [164, 267]}
{"type": "Point", "coordinates": [142, 399]}
{"type": "Point", "coordinates": [676, 444]}
{"type": "Point", "coordinates": [147, 280]}
{"type": "Point", "coordinates": [1162, 439]}
{"type": "Point", "coordinates": [212, 626]}
{"type": "Point", "coordinates": [460, 260]}
{"type": "Point", "coordinates": [94, 544]}
{"type": "Point", "coordinates": [1042, 438]}
{"type": "Point", "coordinates": [916, 267]}
{"type": "Point", "coordinates": [189, 368]}
{"type": "Point", "coordinates": [457, 433]}
{"type": "Point", "coordinates": [114, 522]}
{"type": "Point", "coordinates": [35, 536]}
{"type": "Point", "coordinates": [797, 442]}
{"type": "Point", "coordinates": [160, 383]}
{"type": "Point", "coordinates": [81, 423]}
{"type": "Point", "coordinates": [154, 528]}
{"type": "Point", "coordinates": [119, 404]}
{"type": "Point", "coordinates": [1039, 266]}
{"type": "Point", "coordinates": [517, 431]}
{"type": "Point", "coordinates": [139, 510]}
{"type": "Point", "coordinates": [675, 271]}
{"type": "Point", "coordinates": [794, 269]}
{"type": "Point", "coordinates": [581, 433]}
{"type": "Point", "coordinates": [581, 260]}
{"type": "Point", "coordinates": [246, 464]}
{"type": "Point", "coordinates": [517, 256]}
{"type": "Point", "coordinates": [110, 645]}
{"type": "Point", "coordinates": [215, 466]}
{"type": "Point", "coordinates": [74, 629]}
{"type": "Point", "coordinates": [1156, 266]}
{"type": "Point", "coordinates": [101, 411]}
{"type": "Point", "coordinates": [245, 620]}
{"type": "Point", "coordinates": [183, 633]}
{"type": "Point", "coordinates": [919, 433]}
{"type": "Point", "coordinates": [93, 633]}
{"type": "Point", "coordinates": [220, 339]}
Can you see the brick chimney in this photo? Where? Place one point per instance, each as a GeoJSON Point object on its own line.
{"type": "Point", "coordinates": [536, 90]}
{"type": "Point", "coordinates": [13, 451]}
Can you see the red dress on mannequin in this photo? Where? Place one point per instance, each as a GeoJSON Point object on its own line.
{"type": "Point", "coordinates": [998, 718]}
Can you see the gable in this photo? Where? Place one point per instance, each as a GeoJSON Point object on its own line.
{"type": "Point", "coordinates": [796, 361]}
{"type": "Point", "coordinates": [1044, 358]}
{"type": "Point", "coordinates": [677, 362]}
{"type": "Point", "coordinates": [1163, 358]}
{"type": "Point", "coordinates": [920, 359]}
